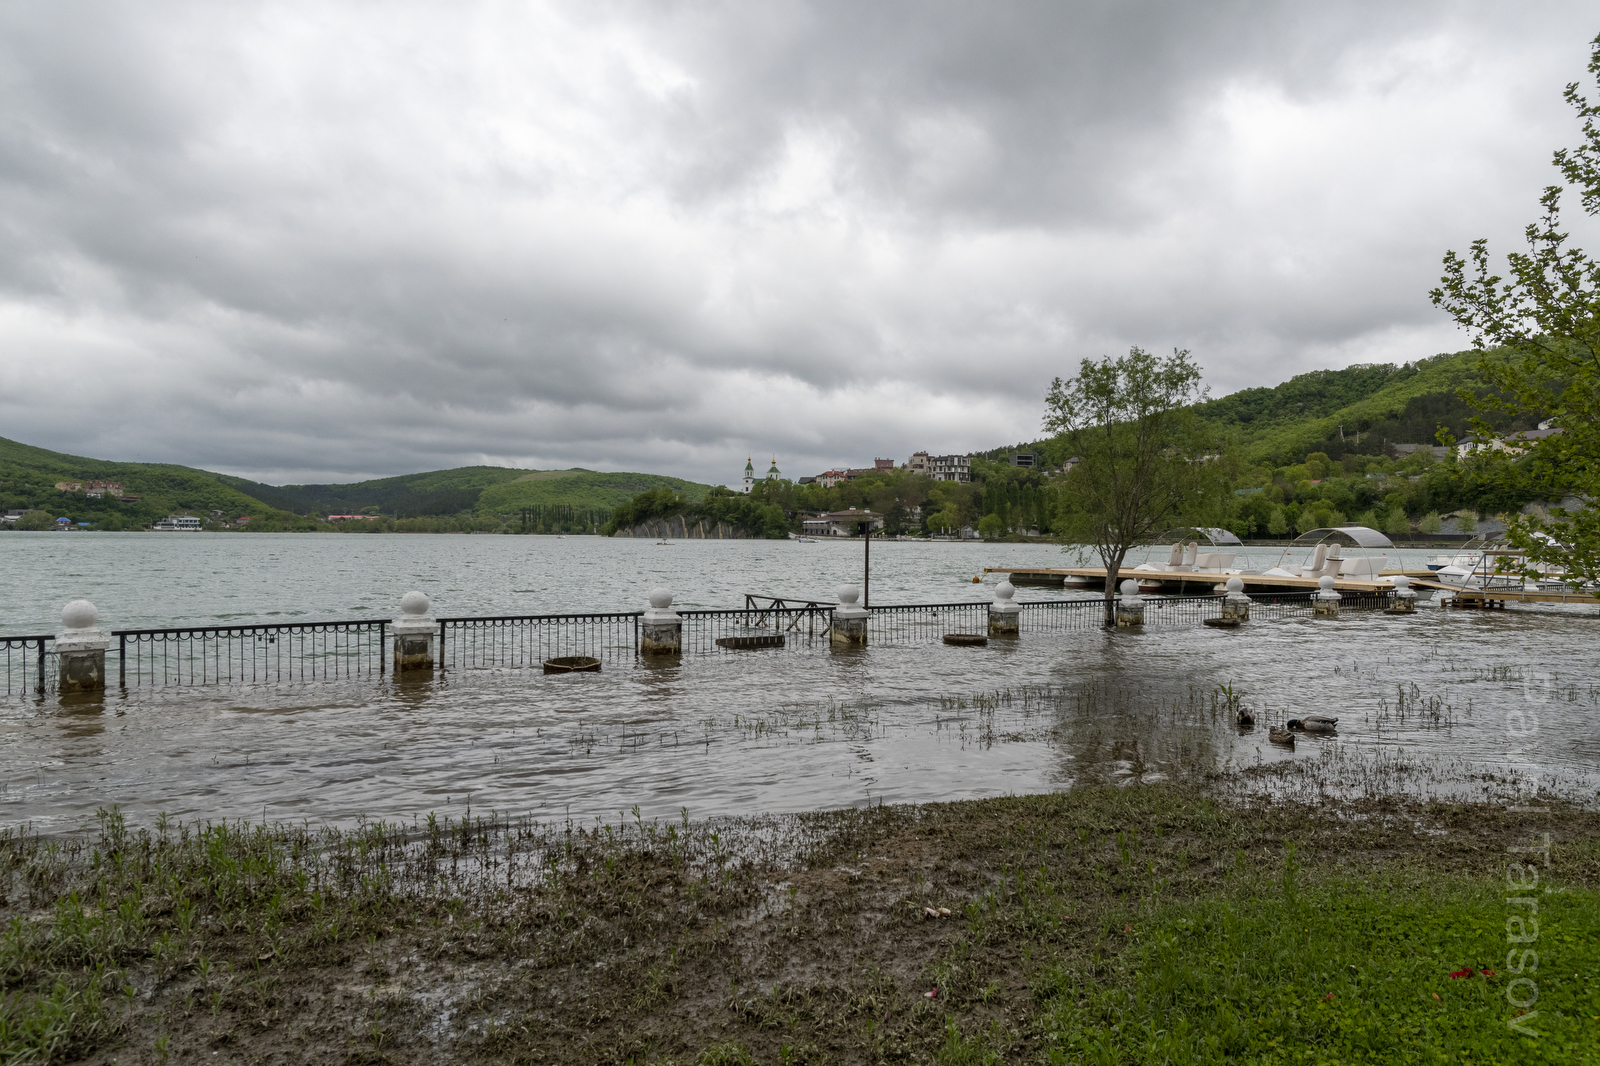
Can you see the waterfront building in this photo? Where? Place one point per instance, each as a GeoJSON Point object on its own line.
{"type": "Point", "coordinates": [178, 523]}
{"type": "Point", "coordinates": [920, 463]}
{"type": "Point", "coordinates": [772, 471]}
{"type": "Point", "coordinates": [840, 523]}
{"type": "Point", "coordinates": [749, 475]}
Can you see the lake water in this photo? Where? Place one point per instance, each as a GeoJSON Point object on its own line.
{"type": "Point", "coordinates": [730, 734]}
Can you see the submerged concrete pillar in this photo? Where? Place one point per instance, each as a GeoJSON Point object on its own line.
{"type": "Point", "coordinates": [1325, 601]}
{"type": "Point", "coordinates": [1005, 614]}
{"type": "Point", "coordinates": [81, 648]}
{"type": "Point", "coordinates": [1236, 605]}
{"type": "Point", "coordinates": [415, 634]}
{"type": "Point", "coordinates": [1404, 598]}
{"type": "Point", "coordinates": [661, 628]}
{"type": "Point", "coordinates": [1130, 608]}
{"type": "Point", "coordinates": [849, 628]}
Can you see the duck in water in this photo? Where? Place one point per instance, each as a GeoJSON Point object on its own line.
{"type": "Point", "coordinates": [1314, 723]}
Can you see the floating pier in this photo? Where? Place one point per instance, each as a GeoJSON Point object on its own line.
{"type": "Point", "coordinates": [1495, 599]}
{"type": "Point", "coordinates": [1191, 581]}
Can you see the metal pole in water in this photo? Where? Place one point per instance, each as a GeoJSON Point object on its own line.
{"type": "Point", "coordinates": [866, 575]}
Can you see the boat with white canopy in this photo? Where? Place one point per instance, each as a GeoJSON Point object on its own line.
{"type": "Point", "coordinates": [1325, 554]}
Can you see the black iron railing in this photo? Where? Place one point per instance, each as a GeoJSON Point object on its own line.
{"type": "Point", "coordinates": [516, 641]}
{"type": "Point", "coordinates": [248, 654]}
{"type": "Point", "coordinates": [925, 623]}
{"type": "Point", "coordinates": [1269, 606]}
{"type": "Point", "coordinates": [325, 651]}
{"type": "Point", "coordinates": [29, 665]}
{"type": "Point", "coordinates": [800, 627]}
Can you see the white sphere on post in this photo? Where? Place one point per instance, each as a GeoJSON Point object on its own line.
{"type": "Point", "coordinates": [660, 627]}
{"type": "Point", "coordinates": [849, 626]}
{"type": "Point", "coordinates": [1005, 614]}
{"type": "Point", "coordinates": [1130, 608]}
{"type": "Point", "coordinates": [80, 648]}
{"type": "Point", "coordinates": [415, 634]}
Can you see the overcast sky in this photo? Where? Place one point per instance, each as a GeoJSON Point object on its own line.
{"type": "Point", "coordinates": [325, 241]}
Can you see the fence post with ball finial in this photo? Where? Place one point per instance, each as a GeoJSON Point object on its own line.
{"type": "Point", "coordinates": [81, 647]}
{"type": "Point", "coordinates": [415, 634]}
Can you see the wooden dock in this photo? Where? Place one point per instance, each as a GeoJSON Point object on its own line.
{"type": "Point", "coordinates": [1181, 582]}
{"type": "Point", "coordinates": [1496, 599]}
{"type": "Point", "coordinates": [1194, 582]}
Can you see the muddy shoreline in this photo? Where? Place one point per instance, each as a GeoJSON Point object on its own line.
{"type": "Point", "coordinates": [802, 938]}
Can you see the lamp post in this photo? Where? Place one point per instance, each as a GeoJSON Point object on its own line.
{"type": "Point", "coordinates": [866, 567]}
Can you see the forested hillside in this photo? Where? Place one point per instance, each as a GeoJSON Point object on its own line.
{"type": "Point", "coordinates": [481, 490]}
{"type": "Point", "coordinates": [28, 476]}
{"type": "Point", "coordinates": [473, 498]}
{"type": "Point", "coordinates": [1360, 410]}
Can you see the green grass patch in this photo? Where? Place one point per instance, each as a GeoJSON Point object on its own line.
{"type": "Point", "coordinates": [1342, 969]}
{"type": "Point", "coordinates": [1104, 925]}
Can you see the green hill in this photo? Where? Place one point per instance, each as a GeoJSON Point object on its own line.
{"type": "Point", "coordinates": [485, 493]}
{"type": "Point", "coordinates": [28, 476]}
{"type": "Point", "coordinates": [1357, 410]}
{"type": "Point", "coordinates": [483, 490]}
{"type": "Point", "coordinates": [1376, 404]}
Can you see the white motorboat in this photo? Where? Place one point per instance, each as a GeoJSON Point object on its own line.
{"type": "Point", "coordinates": [1504, 568]}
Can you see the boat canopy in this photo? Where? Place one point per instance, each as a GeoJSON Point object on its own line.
{"type": "Point", "coordinates": [1360, 536]}
{"type": "Point", "coordinates": [1213, 535]}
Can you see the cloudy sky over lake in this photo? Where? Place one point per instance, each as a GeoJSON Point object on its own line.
{"type": "Point", "coordinates": [325, 241]}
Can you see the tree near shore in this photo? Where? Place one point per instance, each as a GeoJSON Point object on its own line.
{"type": "Point", "coordinates": [1143, 452]}
{"type": "Point", "coordinates": [1540, 330]}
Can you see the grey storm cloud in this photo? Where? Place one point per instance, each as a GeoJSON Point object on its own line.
{"type": "Point", "coordinates": [320, 241]}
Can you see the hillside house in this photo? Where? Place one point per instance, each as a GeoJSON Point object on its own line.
{"type": "Point", "coordinates": [952, 468]}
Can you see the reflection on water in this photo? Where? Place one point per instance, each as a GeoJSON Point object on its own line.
{"type": "Point", "coordinates": [1422, 703]}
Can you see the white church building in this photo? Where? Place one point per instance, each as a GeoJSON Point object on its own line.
{"type": "Point", "coordinates": [750, 473]}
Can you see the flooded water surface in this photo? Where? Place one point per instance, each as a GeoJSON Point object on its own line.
{"type": "Point", "coordinates": [1444, 700]}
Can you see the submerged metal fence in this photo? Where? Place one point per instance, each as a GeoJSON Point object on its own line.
{"type": "Point", "coordinates": [925, 623]}
{"type": "Point", "coordinates": [323, 651]}
{"type": "Point", "coordinates": [708, 629]}
{"type": "Point", "coordinates": [29, 666]}
{"type": "Point", "coordinates": [1277, 606]}
{"type": "Point", "coordinates": [248, 654]}
{"type": "Point", "coordinates": [516, 641]}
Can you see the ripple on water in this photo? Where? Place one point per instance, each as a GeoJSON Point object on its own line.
{"type": "Point", "coordinates": [1422, 701]}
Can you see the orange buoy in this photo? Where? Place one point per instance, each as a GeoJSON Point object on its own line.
{"type": "Point", "coordinates": [977, 580]}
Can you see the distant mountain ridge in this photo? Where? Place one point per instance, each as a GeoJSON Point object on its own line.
{"type": "Point", "coordinates": [28, 475]}
{"type": "Point", "coordinates": [491, 489]}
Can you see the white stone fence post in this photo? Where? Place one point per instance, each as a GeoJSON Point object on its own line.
{"type": "Point", "coordinates": [661, 628]}
{"type": "Point", "coordinates": [1130, 608]}
{"type": "Point", "coordinates": [1005, 614]}
{"type": "Point", "coordinates": [1325, 602]}
{"type": "Point", "coordinates": [81, 647]}
{"type": "Point", "coordinates": [849, 620]}
{"type": "Point", "coordinates": [1404, 598]}
{"type": "Point", "coordinates": [415, 635]}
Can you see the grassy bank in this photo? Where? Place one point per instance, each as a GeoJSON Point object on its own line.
{"type": "Point", "coordinates": [1105, 925]}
